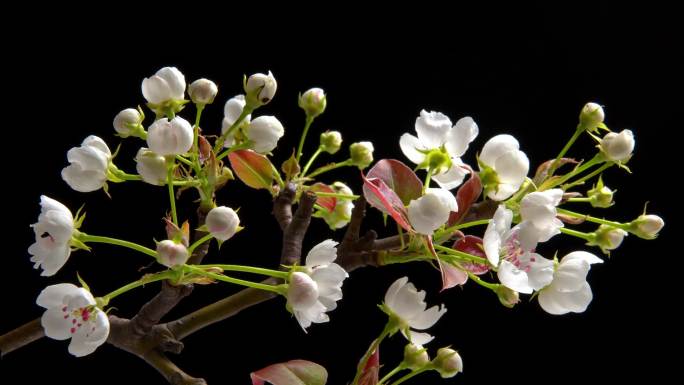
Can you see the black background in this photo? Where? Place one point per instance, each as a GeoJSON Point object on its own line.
{"type": "Point", "coordinates": [519, 76]}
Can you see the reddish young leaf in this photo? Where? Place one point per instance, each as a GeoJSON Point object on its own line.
{"type": "Point", "coordinates": [371, 372]}
{"type": "Point", "coordinates": [472, 245]}
{"type": "Point", "coordinates": [399, 178]}
{"type": "Point", "coordinates": [328, 203]}
{"type": "Point", "coordinates": [295, 372]}
{"type": "Point", "coordinates": [204, 149]}
{"type": "Point", "coordinates": [543, 169]}
{"type": "Point", "coordinates": [254, 169]}
{"type": "Point", "coordinates": [380, 196]}
{"type": "Point", "coordinates": [451, 275]}
{"type": "Point", "coordinates": [466, 195]}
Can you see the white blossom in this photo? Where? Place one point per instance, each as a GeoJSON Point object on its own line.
{"type": "Point", "coordinates": [264, 132]}
{"type": "Point", "coordinates": [618, 147]}
{"type": "Point", "coordinates": [408, 305]}
{"type": "Point", "coordinates": [222, 222]}
{"type": "Point", "coordinates": [429, 212]}
{"type": "Point", "coordinates": [71, 312]}
{"type": "Point", "coordinates": [569, 291]}
{"type": "Point", "coordinates": [435, 132]}
{"type": "Point", "coordinates": [151, 167]}
{"type": "Point", "coordinates": [313, 293]}
{"type": "Point", "coordinates": [538, 212]}
{"type": "Point", "coordinates": [501, 155]}
{"type": "Point", "coordinates": [88, 166]}
{"type": "Point", "coordinates": [260, 89]}
{"type": "Point", "coordinates": [53, 233]}
{"type": "Point", "coordinates": [166, 85]}
{"type": "Point", "coordinates": [172, 137]}
{"type": "Point", "coordinates": [231, 112]}
{"type": "Point", "coordinates": [125, 120]}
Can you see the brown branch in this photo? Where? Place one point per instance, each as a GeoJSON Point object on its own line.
{"type": "Point", "coordinates": [282, 205]}
{"type": "Point", "coordinates": [23, 335]}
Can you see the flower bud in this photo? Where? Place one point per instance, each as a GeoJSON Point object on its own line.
{"type": "Point", "coordinates": [507, 297]}
{"type": "Point", "coordinates": [170, 137]}
{"type": "Point", "coordinates": [448, 362]}
{"type": "Point", "coordinates": [600, 196]}
{"type": "Point", "coordinates": [222, 222]}
{"type": "Point", "coordinates": [168, 84]}
{"type": "Point", "coordinates": [264, 132]}
{"type": "Point", "coordinates": [302, 291]}
{"type": "Point", "coordinates": [202, 91]}
{"type": "Point", "coordinates": [618, 147]}
{"type": "Point", "coordinates": [89, 165]}
{"type": "Point", "coordinates": [260, 89]}
{"type": "Point", "coordinates": [415, 357]}
{"type": "Point", "coordinates": [591, 116]}
{"type": "Point", "coordinates": [151, 167]}
{"type": "Point", "coordinates": [331, 141]}
{"type": "Point", "coordinates": [126, 121]}
{"type": "Point", "coordinates": [313, 102]}
{"type": "Point", "coordinates": [646, 226]}
{"type": "Point", "coordinates": [361, 154]}
{"type": "Point", "coordinates": [432, 210]}
{"type": "Point", "coordinates": [171, 254]}
{"type": "Point", "coordinates": [607, 238]}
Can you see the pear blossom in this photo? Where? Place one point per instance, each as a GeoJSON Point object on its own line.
{"type": "Point", "coordinates": [429, 212]}
{"type": "Point", "coordinates": [264, 132]}
{"type": "Point", "coordinates": [313, 102]}
{"type": "Point", "coordinates": [202, 91]}
{"type": "Point", "coordinates": [591, 116]}
{"type": "Point", "coordinates": [569, 290]}
{"type": "Point", "coordinates": [72, 313]}
{"type": "Point", "coordinates": [125, 120]}
{"type": "Point", "coordinates": [316, 291]}
{"type": "Point", "coordinates": [260, 89]}
{"type": "Point", "coordinates": [171, 254]}
{"type": "Point", "coordinates": [166, 85]}
{"type": "Point", "coordinates": [436, 134]}
{"type": "Point", "coordinates": [341, 214]}
{"type": "Point", "coordinates": [170, 137]}
{"type": "Point", "coordinates": [53, 231]}
{"type": "Point", "coordinates": [231, 112]}
{"type": "Point", "coordinates": [222, 222]}
{"type": "Point", "coordinates": [407, 306]}
{"type": "Point", "coordinates": [448, 362]}
{"type": "Point", "coordinates": [361, 154]}
{"type": "Point", "coordinates": [646, 226]}
{"type": "Point", "coordinates": [88, 166]}
{"type": "Point", "coordinates": [503, 167]}
{"type": "Point", "coordinates": [519, 268]}
{"type": "Point", "coordinates": [538, 209]}
{"type": "Point", "coordinates": [618, 147]}
{"type": "Point", "coordinates": [151, 167]}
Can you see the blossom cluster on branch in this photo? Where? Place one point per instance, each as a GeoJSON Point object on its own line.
{"type": "Point", "coordinates": [436, 216]}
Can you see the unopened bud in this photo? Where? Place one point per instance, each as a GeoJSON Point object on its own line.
{"type": "Point", "coordinates": [361, 154]}
{"type": "Point", "coordinates": [507, 297]}
{"type": "Point", "coordinates": [607, 238]}
{"type": "Point", "coordinates": [202, 91]}
{"type": "Point", "coordinates": [600, 196]}
{"type": "Point", "coordinates": [127, 122]}
{"type": "Point", "coordinates": [331, 141]}
{"type": "Point", "coordinates": [172, 254]}
{"type": "Point", "coordinates": [646, 226]}
{"type": "Point", "coordinates": [222, 222]}
{"type": "Point", "coordinates": [591, 116]}
{"type": "Point", "coordinates": [260, 89]}
{"type": "Point", "coordinates": [313, 102]}
{"type": "Point", "coordinates": [618, 147]}
{"type": "Point", "coordinates": [415, 357]}
{"type": "Point", "coordinates": [448, 362]}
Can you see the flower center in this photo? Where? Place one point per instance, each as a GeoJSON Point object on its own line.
{"type": "Point", "coordinates": [80, 318]}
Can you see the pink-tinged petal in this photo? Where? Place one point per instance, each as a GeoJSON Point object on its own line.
{"type": "Point", "coordinates": [428, 318]}
{"type": "Point", "coordinates": [90, 336]}
{"type": "Point", "coordinates": [411, 146]}
{"type": "Point", "coordinates": [432, 128]}
{"type": "Point", "coordinates": [295, 372]}
{"type": "Point", "coordinates": [528, 235]}
{"type": "Point", "coordinates": [451, 275]}
{"type": "Point", "coordinates": [54, 295]}
{"type": "Point", "coordinates": [513, 278]}
{"type": "Point", "coordinates": [460, 135]}
{"type": "Point", "coordinates": [391, 294]}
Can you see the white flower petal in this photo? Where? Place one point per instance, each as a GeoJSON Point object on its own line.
{"type": "Point", "coordinates": [155, 89]}
{"type": "Point", "coordinates": [265, 131]}
{"type": "Point", "coordinates": [322, 254]}
{"type": "Point", "coordinates": [453, 177]}
{"type": "Point", "coordinates": [432, 128]}
{"type": "Point", "coordinates": [232, 111]}
{"type": "Point", "coordinates": [497, 146]}
{"type": "Point", "coordinates": [541, 271]}
{"type": "Point", "coordinates": [428, 318]}
{"type": "Point", "coordinates": [55, 325]}
{"type": "Point", "coordinates": [512, 167]}
{"type": "Point", "coordinates": [410, 146]}
{"type": "Point", "coordinates": [53, 296]}
{"type": "Point", "coordinates": [175, 81]}
{"type": "Point", "coordinates": [550, 301]}
{"type": "Point", "coordinates": [409, 302]}
{"type": "Point", "coordinates": [391, 294]}
{"type": "Point", "coordinates": [418, 338]}
{"type": "Point", "coordinates": [584, 256]}
{"type": "Point", "coordinates": [514, 278]}
{"type": "Point", "coordinates": [504, 192]}
{"type": "Point", "coordinates": [570, 275]}
{"type": "Point", "coordinates": [460, 135]}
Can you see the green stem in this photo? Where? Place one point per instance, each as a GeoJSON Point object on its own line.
{"type": "Point", "coordinates": [225, 153]}
{"type": "Point", "coordinates": [195, 139]}
{"type": "Point", "coordinates": [329, 167]}
{"type": "Point", "coordinates": [588, 176]}
{"type": "Point", "coordinates": [199, 242]}
{"type": "Point", "coordinates": [408, 376]}
{"type": "Point", "coordinates": [575, 233]}
{"type": "Point", "coordinates": [222, 139]}
{"type": "Point", "coordinates": [376, 343]}
{"type": "Point", "coordinates": [85, 238]}
{"type": "Point", "coordinates": [183, 160]}
{"type": "Point", "coordinates": [142, 281]}
{"type": "Point", "coordinates": [460, 226]}
{"type": "Point", "coordinates": [598, 158]}
{"type": "Point", "coordinates": [277, 176]}
{"type": "Point", "coordinates": [460, 254]}
{"type": "Point", "coordinates": [170, 164]}
{"type": "Point", "coordinates": [336, 195]}
{"type": "Point", "coordinates": [251, 269]}
{"type": "Point", "coordinates": [578, 131]}
{"type": "Point", "coordinates": [589, 218]}
{"type": "Point", "coordinates": [389, 375]}
{"type": "Point", "coordinates": [479, 281]}
{"type": "Point", "coordinates": [404, 257]}
{"type": "Point", "coordinates": [585, 199]}
{"type": "Point", "coordinates": [255, 285]}
{"type": "Point", "coordinates": [307, 124]}
{"type": "Point", "coordinates": [319, 150]}
{"type": "Point", "coordinates": [426, 184]}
